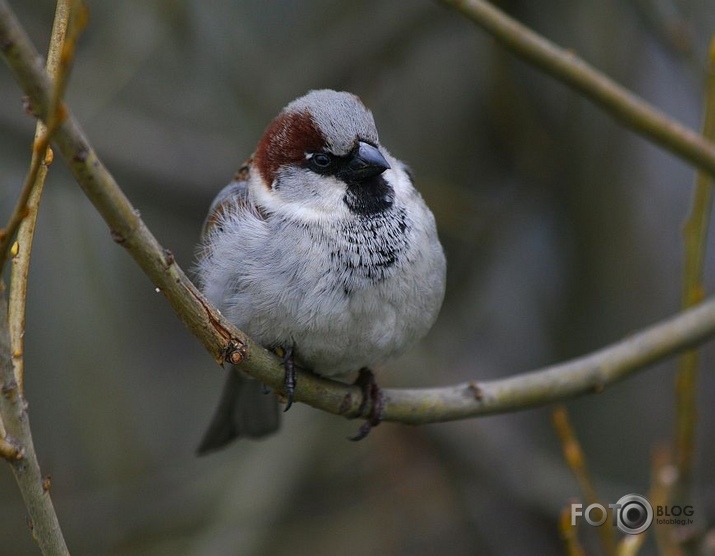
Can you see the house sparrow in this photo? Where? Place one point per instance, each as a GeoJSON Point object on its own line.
{"type": "Point", "coordinates": [320, 247]}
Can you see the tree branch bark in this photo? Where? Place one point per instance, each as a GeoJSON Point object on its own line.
{"type": "Point", "coordinates": [564, 65]}
{"type": "Point", "coordinates": [19, 450]}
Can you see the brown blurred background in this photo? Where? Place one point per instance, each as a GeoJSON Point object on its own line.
{"type": "Point", "coordinates": [562, 231]}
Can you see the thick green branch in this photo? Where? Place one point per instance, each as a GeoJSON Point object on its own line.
{"type": "Point", "coordinates": [565, 66]}
{"type": "Point", "coordinates": [582, 376]}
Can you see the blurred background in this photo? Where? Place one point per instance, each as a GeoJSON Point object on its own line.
{"type": "Point", "coordinates": [562, 232]}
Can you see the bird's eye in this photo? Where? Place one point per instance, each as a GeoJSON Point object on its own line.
{"type": "Point", "coordinates": [320, 162]}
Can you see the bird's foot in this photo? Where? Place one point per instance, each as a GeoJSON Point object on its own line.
{"type": "Point", "coordinates": [372, 397]}
{"type": "Point", "coordinates": [289, 378]}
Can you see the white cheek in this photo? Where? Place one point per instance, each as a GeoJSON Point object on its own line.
{"type": "Point", "coordinates": [397, 177]}
{"type": "Point", "coordinates": [303, 195]}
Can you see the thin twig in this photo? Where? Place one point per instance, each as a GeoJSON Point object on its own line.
{"type": "Point", "coordinates": [575, 459]}
{"type": "Point", "coordinates": [20, 211]}
{"type": "Point", "coordinates": [663, 480]}
{"type": "Point", "coordinates": [586, 375]}
{"type": "Point", "coordinates": [20, 253]}
{"type": "Point", "coordinates": [55, 115]}
{"type": "Point", "coordinates": [695, 236]}
{"type": "Point", "coordinates": [26, 231]}
{"type": "Point", "coordinates": [17, 446]}
{"type": "Point", "coordinates": [630, 545]}
{"type": "Point", "coordinates": [564, 65]}
{"type": "Point", "coordinates": [568, 533]}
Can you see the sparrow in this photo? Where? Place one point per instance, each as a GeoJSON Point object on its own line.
{"type": "Point", "coordinates": [320, 249]}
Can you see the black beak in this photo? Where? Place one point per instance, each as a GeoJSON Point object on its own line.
{"type": "Point", "coordinates": [365, 162]}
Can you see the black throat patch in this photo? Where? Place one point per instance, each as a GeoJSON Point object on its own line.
{"type": "Point", "coordinates": [369, 197]}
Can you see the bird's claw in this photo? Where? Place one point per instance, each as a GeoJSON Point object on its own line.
{"type": "Point", "coordinates": [372, 395]}
{"type": "Point", "coordinates": [289, 379]}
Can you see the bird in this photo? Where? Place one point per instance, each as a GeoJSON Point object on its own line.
{"type": "Point", "coordinates": [321, 249]}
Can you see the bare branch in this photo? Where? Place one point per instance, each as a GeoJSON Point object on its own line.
{"type": "Point", "coordinates": [576, 460]}
{"type": "Point", "coordinates": [16, 445]}
{"type": "Point", "coordinates": [586, 375]}
{"type": "Point", "coordinates": [564, 65]}
{"type": "Point", "coordinates": [41, 154]}
{"type": "Point", "coordinates": [695, 235]}
{"type": "Point", "coordinates": [19, 450]}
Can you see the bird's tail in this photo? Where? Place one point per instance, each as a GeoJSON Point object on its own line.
{"type": "Point", "coordinates": [245, 410]}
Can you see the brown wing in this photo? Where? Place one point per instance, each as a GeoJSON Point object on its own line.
{"type": "Point", "coordinates": [232, 197]}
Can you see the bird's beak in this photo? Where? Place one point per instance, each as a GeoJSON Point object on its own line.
{"type": "Point", "coordinates": [365, 162]}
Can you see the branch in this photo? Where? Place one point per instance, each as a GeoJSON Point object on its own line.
{"type": "Point", "coordinates": [564, 65]}
{"type": "Point", "coordinates": [41, 153]}
{"type": "Point", "coordinates": [16, 444]}
{"type": "Point", "coordinates": [695, 236]}
{"type": "Point", "coordinates": [569, 533]}
{"type": "Point", "coordinates": [576, 460]}
{"type": "Point", "coordinates": [589, 374]}
{"type": "Point", "coordinates": [39, 165]}
{"type": "Point", "coordinates": [17, 447]}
